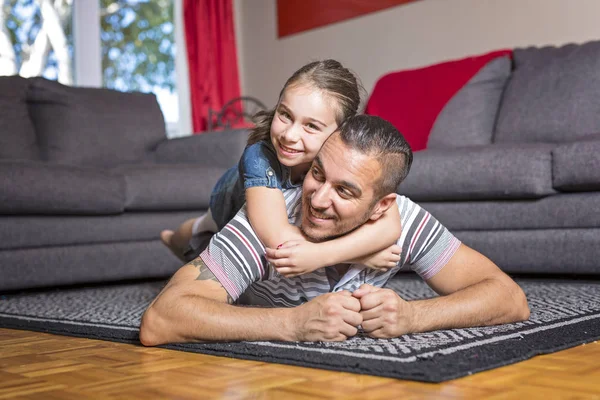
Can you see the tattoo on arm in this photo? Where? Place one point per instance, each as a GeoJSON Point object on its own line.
{"type": "Point", "coordinates": [205, 274]}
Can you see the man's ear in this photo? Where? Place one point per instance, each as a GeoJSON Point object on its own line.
{"type": "Point", "coordinates": [382, 206]}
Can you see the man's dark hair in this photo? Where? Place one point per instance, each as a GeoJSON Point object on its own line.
{"type": "Point", "coordinates": [378, 138]}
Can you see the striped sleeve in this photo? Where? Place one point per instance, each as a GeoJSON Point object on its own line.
{"type": "Point", "coordinates": [236, 256]}
{"type": "Point", "coordinates": [427, 245]}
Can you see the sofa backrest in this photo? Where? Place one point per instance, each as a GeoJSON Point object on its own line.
{"type": "Point", "coordinates": [91, 126]}
{"type": "Point", "coordinates": [17, 135]}
{"type": "Point", "coordinates": [553, 95]}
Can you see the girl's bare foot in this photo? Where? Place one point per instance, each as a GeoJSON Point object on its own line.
{"type": "Point", "coordinates": [166, 237]}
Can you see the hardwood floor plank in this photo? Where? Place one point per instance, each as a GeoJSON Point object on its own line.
{"type": "Point", "coordinates": [15, 387]}
{"type": "Point", "coordinates": [42, 366]}
{"type": "Point", "coordinates": [535, 392]}
{"type": "Point", "coordinates": [60, 395]}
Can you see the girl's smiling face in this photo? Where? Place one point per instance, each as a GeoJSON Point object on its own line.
{"type": "Point", "coordinates": [304, 119]}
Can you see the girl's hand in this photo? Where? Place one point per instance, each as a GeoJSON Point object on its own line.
{"type": "Point", "coordinates": [384, 259]}
{"type": "Point", "coordinates": [296, 257]}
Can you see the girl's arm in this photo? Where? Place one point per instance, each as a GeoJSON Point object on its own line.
{"type": "Point", "coordinates": [268, 216]}
{"type": "Point", "coordinates": [370, 238]}
{"type": "Point", "coordinates": [372, 244]}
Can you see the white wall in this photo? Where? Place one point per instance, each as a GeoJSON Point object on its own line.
{"type": "Point", "coordinates": [407, 36]}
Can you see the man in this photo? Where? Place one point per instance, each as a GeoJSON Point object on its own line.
{"type": "Point", "coordinates": [352, 180]}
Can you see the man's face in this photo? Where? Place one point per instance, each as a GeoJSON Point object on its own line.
{"type": "Point", "coordinates": [338, 193]}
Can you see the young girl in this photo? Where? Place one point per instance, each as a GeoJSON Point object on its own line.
{"type": "Point", "coordinates": [314, 101]}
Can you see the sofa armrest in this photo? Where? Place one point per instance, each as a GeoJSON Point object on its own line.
{"type": "Point", "coordinates": [216, 149]}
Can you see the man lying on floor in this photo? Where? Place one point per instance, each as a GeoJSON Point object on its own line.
{"type": "Point", "coordinates": [202, 300]}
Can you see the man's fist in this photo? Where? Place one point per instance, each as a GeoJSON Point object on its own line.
{"type": "Point", "coordinates": [384, 313]}
{"type": "Point", "coordinates": [329, 317]}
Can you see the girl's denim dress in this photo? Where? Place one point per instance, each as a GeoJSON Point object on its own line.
{"type": "Point", "coordinates": [258, 166]}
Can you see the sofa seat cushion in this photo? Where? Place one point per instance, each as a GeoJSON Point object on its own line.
{"type": "Point", "coordinates": [576, 166]}
{"type": "Point", "coordinates": [17, 135]}
{"type": "Point", "coordinates": [96, 263]}
{"type": "Point", "coordinates": [27, 231]}
{"type": "Point", "coordinates": [92, 126]}
{"type": "Point", "coordinates": [552, 95]}
{"type": "Point", "coordinates": [34, 187]}
{"type": "Point", "coordinates": [480, 173]}
{"type": "Point", "coordinates": [168, 186]}
{"type": "Point", "coordinates": [539, 251]}
{"type": "Point", "coordinates": [559, 211]}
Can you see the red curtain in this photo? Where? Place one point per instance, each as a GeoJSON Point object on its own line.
{"type": "Point", "coordinates": [212, 57]}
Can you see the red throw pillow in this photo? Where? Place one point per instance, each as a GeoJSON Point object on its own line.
{"type": "Point", "coordinates": [411, 100]}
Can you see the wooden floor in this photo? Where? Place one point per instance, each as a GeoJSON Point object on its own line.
{"type": "Point", "coordinates": [42, 366]}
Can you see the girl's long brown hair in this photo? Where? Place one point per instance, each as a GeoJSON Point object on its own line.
{"type": "Point", "coordinates": [329, 76]}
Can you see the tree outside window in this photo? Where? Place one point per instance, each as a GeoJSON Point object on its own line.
{"type": "Point", "coordinates": [138, 49]}
{"type": "Point", "coordinates": [36, 40]}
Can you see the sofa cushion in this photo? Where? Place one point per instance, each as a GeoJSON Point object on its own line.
{"type": "Point", "coordinates": [169, 187]}
{"type": "Point", "coordinates": [26, 231]}
{"type": "Point", "coordinates": [566, 252]}
{"type": "Point", "coordinates": [17, 135]}
{"type": "Point", "coordinates": [480, 173]}
{"type": "Point", "coordinates": [217, 149]}
{"type": "Point", "coordinates": [33, 187]}
{"type": "Point", "coordinates": [96, 127]}
{"type": "Point", "coordinates": [468, 118]}
{"type": "Point", "coordinates": [98, 263]}
{"type": "Point", "coordinates": [576, 166]}
{"type": "Point", "coordinates": [559, 211]}
{"type": "Point", "coordinates": [552, 95]}
{"type": "Point", "coordinates": [411, 100]}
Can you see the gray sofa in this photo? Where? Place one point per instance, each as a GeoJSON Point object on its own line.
{"type": "Point", "coordinates": [525, 190]}
{"type": "Point", "coordinates": [88, 180]}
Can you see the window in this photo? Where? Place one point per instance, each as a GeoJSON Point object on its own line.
{"type": "Point", "coordinates": [37, 41]}
{"type": "Point", "coordinates": [127, 45]}
{"type": "Point", "coordinates": [138, 49]}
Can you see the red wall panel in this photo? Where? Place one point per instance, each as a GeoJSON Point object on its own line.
{"type": "Point", "coordinates": [295, 16]}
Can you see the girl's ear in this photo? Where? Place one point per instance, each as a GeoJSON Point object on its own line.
{"type": "Point", "coordinates": [382, 206]}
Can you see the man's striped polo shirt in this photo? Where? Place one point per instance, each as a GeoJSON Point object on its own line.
{"type": "Point", "coordinates": [237, 258]}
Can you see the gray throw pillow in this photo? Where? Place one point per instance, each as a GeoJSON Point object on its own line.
{"type": "Point", "coordinates": [95, 127]}
{"type": "Point", "coordinates": [468, 118]}
{"type": "Point", "coordinates": [17, 135]}
{"type": "Point", "coordinates": [552, 96]}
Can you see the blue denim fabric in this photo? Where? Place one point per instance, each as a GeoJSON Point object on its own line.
{"type": "Point", "coordinates": [227, 197]}
{"type": "Point", "coordinates": [258, 166]}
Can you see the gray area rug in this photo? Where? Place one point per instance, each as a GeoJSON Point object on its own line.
{"type": "Point", "coordinates": [564, 314]}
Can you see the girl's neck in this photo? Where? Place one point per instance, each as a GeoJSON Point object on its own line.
{"type": "Point", "coordinates": [298, 172]}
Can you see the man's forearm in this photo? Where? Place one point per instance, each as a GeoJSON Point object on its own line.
{"type": "Point", "coordinates": [195, 318]}
{"type": "Point", "coordinates": [490, 302]}
{"type": "Point", "coordinates": [193, 307]}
